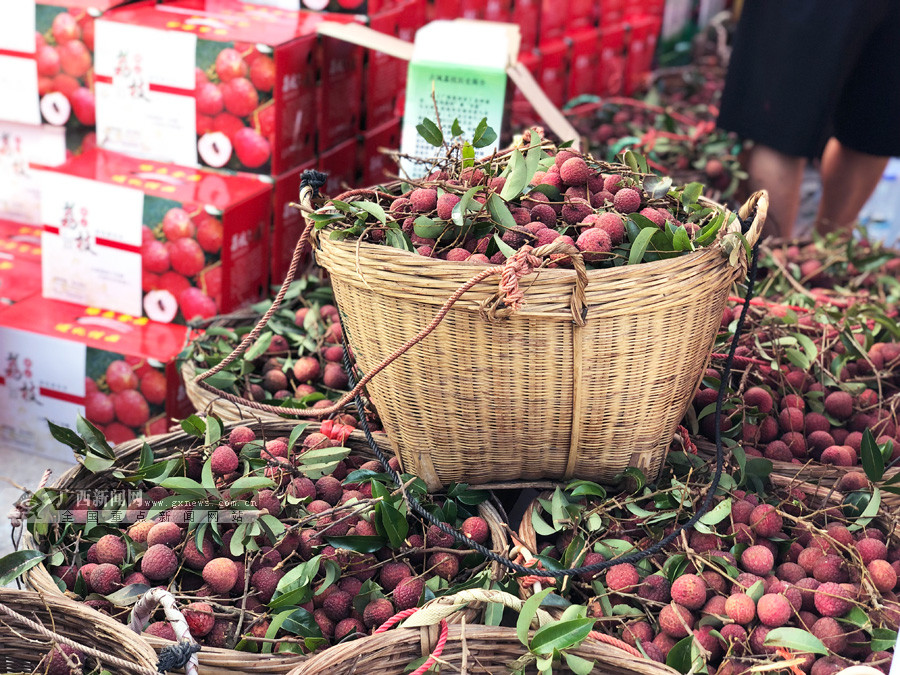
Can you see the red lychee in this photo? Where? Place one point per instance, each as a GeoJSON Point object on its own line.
{"type": "Point", "coordinates": [689, 590]}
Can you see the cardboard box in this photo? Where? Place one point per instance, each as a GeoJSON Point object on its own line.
{"type": "Point", "coordinates": [612, 60]}
{"type": "Point", "coordinates": [340, 164]}
{"type": "Point", "coordinates": [20, 241]}
{"type": "Point", "coordinates": [612, 12]}
{"type": "Point", "coordinates": [553, 76]}
{"type": "Point", "coordinates": [445, 10]}
{"type": "Point", "coordinates": [287, 223]}
{"type": "Point", "coordinates": [147, 238]}
{"type": "Point", "coordinates": [378, 167]}
{"type": "Point", "coordinates": [22, 146]}
{"type": "Point", "coordinates": [522, 114]}
{"type": "Point", "coordinates": [46, 65]}
{"type": "Point", "coordinates": [339, 108]}
{"type": "Point", "coordinates": [382, 85]}
{"type": "Point", "coordinates": [584, 61]}
{"type": "Point", "coordinates": [19, 279]}
{"type": "Point", "coordinates": [62, 360]}
{"type": "Point", "coordinates": [216, 83]}
{"type": "Point", "coordinates": [527, 14]}
{"type": "Point", "coordinates": [642, 38]}
{"type": "Point", "coordinates": [554, 19]}
{"type": "Point", "coordinates": [583, 14]}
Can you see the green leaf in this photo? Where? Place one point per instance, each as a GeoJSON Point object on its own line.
{"type": "Point", "coordinates": [681, 657]}
{"type": "Point", "coordinates": [94, 438]}
{"type": "Point", "coordinates": [682, 241]}
{"type": "Point", "coordinates": [540, 526]}
{"type": "Point", "coordinates": [426, 228]}
{"type": "Point", "coordinates": [795, 638]}
{"type": "Point", "coordinates": [430, 132]}
{"type": "Point", "coordinates": [527, 614]}
{"type": "Point", "coordinates": [578, 665]}
{"type": "Point", "coordinates": [872, 459]}
{"type": "Point", "coordinates": [561, 635]}
{"type": "Point", "coordinates": [505, 248]}
{"type": "Point", "coordinates": [127, 596]}
{"type": "Point", "coordinates": [185, 486]}
{"type": "Point", "coordinates": [194, 426]}
{"type": "Point", "coordinates": [296, 433]}
{"type": "Point", "coordinates": [372, 208]}
{"type": "Point", "coordinates": [517, 178]}
{"type": "Point", "coordinates": [718, 514]}
{"type": "Point", "coordinates": [579, 488]}
{"type": "Point", "coordinates": [691, 194]}
{"type": "Point", "coordinates": [630, 159]}
{"type": "Point", "coordinates": [657, 187]}
{"type": "Point", "coordinates": [468, 155]}
{"type": "Point", "coordinates": [455, 129]}
{"type": "Point", "coordinates": [484, 135]}
{"type": "Point", "coordinates": [66, 436]}
{"type": "Point", "coordinates": [639, 247]}
{"type": "Point", "coordinates": [858, 618]}
{"type": "Point", "coordinates": [458, 214]}
{"type": "Point", "coordinates": [397, 238]}
{"type": "Point", "coordinates": [883, 639]}
{"type": "Point", "coordinates": [15, 564]}
{"type": "Point", "coordinates": [870, 511]}
{"type": "Point", "coordinates": [259, 347]}
{"type": "Point", "coordinates": [246, 484]}
{"type": "Point", "coordinates": [500, 212]}
{"type": "Point", "coordinates": [359, 543]}
{"type": "Point", "coordinates": [393, 523]}
{"type": "Point", "coordinates": [756, 591]}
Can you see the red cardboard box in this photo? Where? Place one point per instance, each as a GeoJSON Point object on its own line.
{"type": "Point", "coordinates": [19, 279]}
{"type": "Point", "coordinates": [498, 10]}
{"type": "Point", "coordinates": [46, 64]}
{"type": "Point", "coordinates": [583, 13]}
{"type": "Point", "coordinates": [585, 62]}
{"type": "Point", "coordinates": [527, 14]}
{"type": "Point", "coordinates": [147, 238]}
{"type": "Point", "coordinates": [641, 40]}
{"type": "Point", "coordinates": [377, 166]}
{"type": "Point", "coordinates": [20, 241]}
{"type": "Point", "coordinates": [612, 60]}
{"type": "Point", "coordinates": [62, 360]}
{"type": "Point", "coordinates": [340, 164]}
{"type": "Point", "coordinates": [287, 224]}
{"type": "Point", "coordinates": [218, 83]}
{"type": "Point", "coordinates": [471, 9]}
{"type": "Point", "coordinates": [554, 19]}
{"type": "Point", "coordinates": [612, 12]}
{"type": "Point", "coordinates": [339, 108]}
{"type": "Point", "coordinates": [553, 75]}
{"type": "Point", "coordinates": [522, 114]}
{"type": "Point", "coordinates": [382, 80]}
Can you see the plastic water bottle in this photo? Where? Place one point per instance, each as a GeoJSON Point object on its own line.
{"type": "Point", "coordinates": [881, 214]}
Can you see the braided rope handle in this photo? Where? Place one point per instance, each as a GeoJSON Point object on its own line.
{"type": "Point", "coordinates": [143, 610]}
{"type": "Point", "coordinates": [103, 657]}
{"type": "Point", "coordinates": [438, 648]}
{"type": "Point", "coordinates": [524, 262]}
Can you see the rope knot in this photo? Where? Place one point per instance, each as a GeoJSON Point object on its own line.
{"type": "Point", "coordinates": [176, 656]}
{"type": "Point", "coordinates": [520, 264]}
{"type": "Point", "coordinates": [314, 179]}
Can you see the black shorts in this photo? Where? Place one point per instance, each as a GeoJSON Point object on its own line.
{"type": "Point", "coordinates": [802, 71]}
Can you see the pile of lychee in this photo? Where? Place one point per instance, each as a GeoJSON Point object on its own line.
{"type": "Point", "coordinates": [128, 398]}
{"type": "Point", "coordinates": [226, 591]}
{"type": "Point", "coordinates": [302, 363]}
{"type": "Point", "coordinates": [799, 563]}
{"type": "Point", "coordinates": [180, 277]}
{"type": "Point", "coordinates": [65, 68]}
{"type": "Point", "coordinates": [570, 198]}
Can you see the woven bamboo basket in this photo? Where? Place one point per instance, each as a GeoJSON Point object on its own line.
{"type": "Point", "coordinates": [214, 661]}
{"type": "Point", "coordinates": [470, 648]}
{"type": "Point", "coordinates": [30, 623]}
{"type": "Point", "coordinates": [533, 394]}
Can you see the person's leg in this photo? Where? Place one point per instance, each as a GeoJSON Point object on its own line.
{"type": "Point", "coordinates": [849, 178]}
{"type": "Point", "coordinates": [782, 176]}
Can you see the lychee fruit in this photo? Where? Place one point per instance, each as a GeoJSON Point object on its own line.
{"type": "Point", "coordinates": [444, 565]}
{"type": "Point", "coordinates": [757, 560]}
{"type": "Point", "coordinates": [377, 612]}
{"type": "Point", "coordinates": [689, 590]}
{"type": "Point", "coordinates": [759, 398]}
{"type": "Point", "coordinates": [638, 632]}
{"type": "Point", "coordinates": [774, 610]}
{"type": "Point", "coordinates": [111, 549]}
{"type": "Point", "coordinates": [883, 575]}
{"type": "Point", "coordinates": [740, 608]}
{"type": "Point", "coordinates": [627, 200]}
{"type": "Point", "coordinates": [199, 617]}
{"type": "Point", "coordinates": [870, 549]}
{"type": "Point", "coordinates": [832, 599]}
{"type": "Point", "coordinates": [349, 627]}
{"type": "Point", "coordinates": [594, 243]}
{"type": "Point", "coordinates": [839, 404]}
{"type": "Point", "coordinates": [166, 533]}
{"type": "Point", "coordinates": [574, 171]}
{"type": "Point", "coordinates": [224, 460]}
{"type": "Point", "coordinates": [676, 620]}
{"type": "Point", "coordinates": [407, 593]}
{"type": "Point", "coordinates": [220, 574]}
{"type": "Point", "coordinates": [105, 578]}
{"type": "Point", "coordinates": [765, 521]}
{"type": "Point", "coordinates": [337, 605]}
{"type": "Point", "coordinates": [476, 529]}
{"type": "Point", "coordinates": [424, 200]}
{"type": "Point", "coordinates": [655, 587]}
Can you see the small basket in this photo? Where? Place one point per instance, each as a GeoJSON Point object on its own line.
{"type": "Point", "coordinates": [533, 394]}
{"type": "Point", "coordinates": [30, 623]}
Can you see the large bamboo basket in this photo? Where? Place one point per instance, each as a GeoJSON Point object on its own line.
{"type": "Point", "coordinates": [470, 648]}
{"type": "Point", "coordinates": [532, 395]}
{"type": "Point", "coordinates": [214, 661]}
{"type": "Point", "coordinates": [47, 617]}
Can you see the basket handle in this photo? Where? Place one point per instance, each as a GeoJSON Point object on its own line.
{"type": "Point", "coordinates": [758, 207]}
{"type": "Point", "coordinates": [523, 262]}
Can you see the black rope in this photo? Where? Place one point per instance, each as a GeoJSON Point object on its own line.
{"type": "Point", "coordinates": [314, 179]}
{"type": "Point", "coordinates": [634, 556]}
{"type": "Point", "coordinates": [174, 657]}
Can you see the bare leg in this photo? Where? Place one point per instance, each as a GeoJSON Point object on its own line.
{"type": "Point", "coordinates": [782, 176]}
{"type": "Point", "coordinates": [848, 180]}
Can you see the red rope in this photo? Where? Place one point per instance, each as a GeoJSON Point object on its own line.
{"type": "Point", "coordinates": [759, 302]}
{"type": "Point", "coordinates": [615, 642]}
{"type": "Point", "coordinates": [438, 648]}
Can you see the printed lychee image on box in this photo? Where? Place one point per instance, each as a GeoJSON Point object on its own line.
{"type": "Point", "coordinates": [119, 373]}
{"type": "Point", "coordinates": [219, 84]}
{"type": "Point", "coordinates": [181, 244]}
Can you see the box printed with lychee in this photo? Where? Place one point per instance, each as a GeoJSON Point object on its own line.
{"type": "Point", "coordinates": [180, 244]}
{"type": "Point", "coordinates": [21, 241]}
{"type": "Point", "coordinates": [220, 84]}
{"type": "Point", "coordinates": [46, 64]}
{"type": "Point", "coordinates": [119, 372]}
